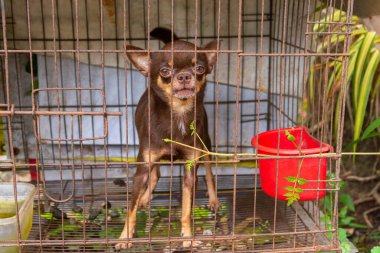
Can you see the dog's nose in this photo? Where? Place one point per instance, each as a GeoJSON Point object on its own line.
{"type": "Point", "coordinates": [184, 77]}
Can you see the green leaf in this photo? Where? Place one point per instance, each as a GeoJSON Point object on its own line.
{"type": "Point", "coordinates": [311, 82]}
{"type": "Point", "coordinates": [289, 136]}
{"type": "Point", "coordinates": [189, 164]}
{"type": "Point", "coordinates": [326, 219]}
{"type": "Point", "coordinates": [346, 247]}
{"type": "Point", "coordinates": [289, 188]}
{"type": "Point", "coordinates": [290, 202]}
{"type": "Point", "coordinates": [48, 216]}
{"type": "Point", "coordinates": [346, 221]}
{"type": "Point", "coordinates": [371, 135]}
{"type": "Point", "coordinates": [337, 115]}
{"type": "Point", "coordinates": [334, 76]}
{"type": "Point", "coordinates": [288, 194]}
{"type": "Point", "coordinates": [301, 181]}
{"type": "Point", "coordinates": [357, 225]}
{"type": "Point", "coordinates": [375, 249]}
{"type": "Point", "coordinates": [299, 190]}
{"type": "Point", "coordinates": [291, 179]}
{"type": "Point", "coordinates": [372, 127]}
{"type": "Point", "coordinates": [365, 90]}
{"type": "Point", "coordinates": [343, 212]}
{"type": "Point", "coordinates": [296, 196]}
{"type": "Point", "coordinates": [342, 235]}
{"type": "Point", "coordinates": [347, 200]}
{"type": "Point", "coordinates": [375, 87]}
{"type": "Point", "coordinates": [365, 51]}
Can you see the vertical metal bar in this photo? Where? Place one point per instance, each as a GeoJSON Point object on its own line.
{"type": "Point", "coordinates": [105, 119]}
{"type": "Point", "coordinates": [9, 121]}
{"type": "Point", "coordinates": [126, 106]}
{"type": "Point", "coordinates": [343, 88]}
{"type": "Point", "coordinates": [282, 77]}
{"type": "Point", "coordinates": [119, 98]}
{"type": "Point", "coordinates": [228, 74]}
{"type": "Point", "coordinates": [149, 117]}
{"type": "Point", "coordinates": [171, 124]}
{"type": "Point", "coordinates": [35, 123]}
{"type": "Point", "coordinates": [236, 119]}
{"type": "Point", "coordinates": [270, 63]}
{"type": "Point", "coordinates": [258, 110]}
{"type": "Point", "coordinates": [195, 121]}
{"type": "Point", "coordinates": [216, 110]}
{"type": "Point", "coordinates": [53, 9]}
{"type": "Point", "coordinates": [94, 153]}
{"type": "Point", "coordinates": [19, 94]}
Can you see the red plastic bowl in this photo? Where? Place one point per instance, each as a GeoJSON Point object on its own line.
{"type": "Point", "coordinates": [273, 172]}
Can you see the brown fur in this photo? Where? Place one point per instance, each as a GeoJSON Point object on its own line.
{"type": "Point", "coordinates": [164, 98]}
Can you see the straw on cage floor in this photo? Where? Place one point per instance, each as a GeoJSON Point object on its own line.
{"type": "Point", "coordinates": [260, 225]}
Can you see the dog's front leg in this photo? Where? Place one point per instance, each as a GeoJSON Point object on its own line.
{"type": "Point", "coordinates": [189, 183]}
{"type": "Point", "coordinates": [214, 203]}
{"type": "Point", "coordinates": [140, 186]}
{"type": "Point", "coordinates": [188, 187]}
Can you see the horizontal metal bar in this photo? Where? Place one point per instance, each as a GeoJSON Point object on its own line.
{"type": "Point", "coordinates": [161, 239]}
{"type": "Point", "coordinates": [13, 112]}
{"type": "Point", "coordinates": [58, 113]}
{"type": "Point", "coordinates": [239, 52]}
{"type": "Point", "coordinates": [295, 54]}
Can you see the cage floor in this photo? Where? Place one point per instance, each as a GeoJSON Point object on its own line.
{"type": "Point", "coordinates": [252, 226]}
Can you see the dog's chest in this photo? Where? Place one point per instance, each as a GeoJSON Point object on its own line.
{"type": "Point", "coordinates": [183, 113]}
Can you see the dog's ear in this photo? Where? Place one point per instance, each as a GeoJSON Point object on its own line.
{"type": "Point", "coordinates": [211, 56]}
{"type": "Point", "coordinates": [140, 60]}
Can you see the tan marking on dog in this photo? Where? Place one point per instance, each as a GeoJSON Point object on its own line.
{"type": "Point", "coordinates": [170, 62]}
{"type": "Point", "coordinates": [187, 195]}
{"type": "Point", "coordinates": [213, 201]}
{"type": "Point", "coordinates": [154, 155]}
{"type": "Point", "coordinates": [200, 84]}
{"type": "Point", "coordinates": [128, 230]}
{"type": "Point", "coordinates": [147, 195]}
{"type": "Point", "coordinates": [186, 214]}
{"type": "Point", "coordinates": [165, 87]}
{"type": "Point", "coordinates": [180, 107]}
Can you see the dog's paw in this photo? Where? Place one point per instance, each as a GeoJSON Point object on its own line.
{"type": "Point", "coordinates": [122, 245]}
{"type": "Point", "coordinates": [214, 205]}
{"type": "Point", "coordinates": [188, 244]}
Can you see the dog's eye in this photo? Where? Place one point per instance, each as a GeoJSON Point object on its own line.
{"type": "Point", "coordinates": [200, 69]}
{"type": "Point", "coordinates": [165, 72]}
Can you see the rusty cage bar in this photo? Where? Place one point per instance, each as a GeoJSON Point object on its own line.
{"type": "Point", "coordinates": [67, 115]}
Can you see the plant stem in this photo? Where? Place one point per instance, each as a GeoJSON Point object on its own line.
{"type": "Point", "coordinates": [299, 168]}
{"type": "Point", "coordinates": [199, 138]}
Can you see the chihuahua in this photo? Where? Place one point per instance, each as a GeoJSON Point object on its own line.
{"type": "Point", "coordinates": [177, 86]}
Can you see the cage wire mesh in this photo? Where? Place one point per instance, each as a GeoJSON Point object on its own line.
{"type": "Point", "coordinates": [68, 101]}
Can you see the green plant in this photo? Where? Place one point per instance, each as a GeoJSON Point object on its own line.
{"type": "Point", "coordinates": [362, 70]}
{"type": "Point", "coordinates": [293, 191]}
{"type": "Point", "coordinates": [345, 217]}
{"type": "Point", "coordinates": [204, 152]}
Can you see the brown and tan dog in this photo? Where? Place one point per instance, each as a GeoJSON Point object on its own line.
{"type": "Point", "coordinates": [176, 81]}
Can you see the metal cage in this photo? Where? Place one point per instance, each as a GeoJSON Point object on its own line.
{"type": "Point", "coordinates": [67, 107]}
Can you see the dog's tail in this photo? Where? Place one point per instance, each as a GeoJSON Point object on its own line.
{"type": "Point", "coordinates": [163, 34]}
